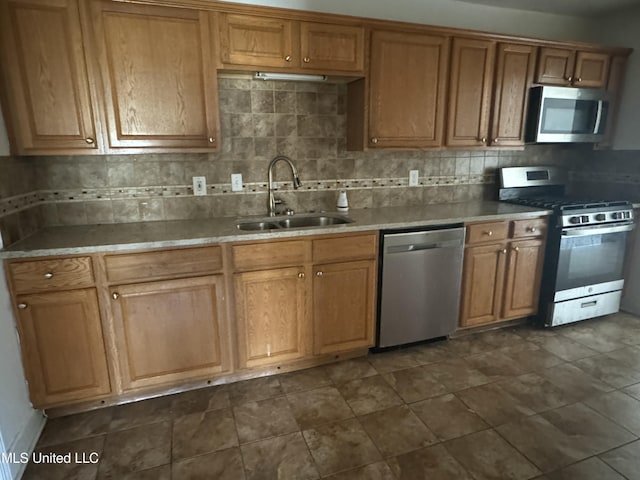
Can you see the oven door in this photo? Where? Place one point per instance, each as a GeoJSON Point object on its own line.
{"type": "Point", "coordinates": [591, 260]}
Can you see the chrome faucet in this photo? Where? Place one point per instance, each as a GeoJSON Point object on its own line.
{"type": "Point", "coordinates": [272, 201]}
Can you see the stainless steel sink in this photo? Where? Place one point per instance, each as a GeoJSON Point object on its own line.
{"type": "Point", "coordinates": [294, 221]}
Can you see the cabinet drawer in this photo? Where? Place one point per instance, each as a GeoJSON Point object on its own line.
{"type": "Point", "coordinates": [256, 256]}
{"type": "Point", "coordinates": [163, 264]}
{"type": "Point", "coordinates": [53, 274]}
{"type": "Point", "coordinates": [345, 248]}
{"type": "Point", "coordinates": [529, 228]}
{"type": "Point", "coordinates": [487, 232]}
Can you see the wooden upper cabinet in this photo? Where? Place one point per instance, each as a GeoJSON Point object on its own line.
{"type": "Point", "coordinates": [408, 88]}
{"type": "Point", "coordinates": [63, 346]}
{"type": "Point", "coordinates": [470, 85]}
{"type": "Point", "coordinates": [615, 84]}
{"type": "Point", "coordinates": [567, 67]}
{"type": "Point", "coordinates": [591, 70]}
{"type": "Point", "coordinates": [48, 101]}
{"type": "Point", "coordinates": [259, 41]}
{"type": "Point", "coordinates": [254, 41]}
{"type": "Point", "coordinates": [515, 67]}
{"type": "Point", "coordinates": [555, 66]}
{"type": "Point", "coordinates": [329, 47]}
{"type": "Point", "coordinates": [158, 70]}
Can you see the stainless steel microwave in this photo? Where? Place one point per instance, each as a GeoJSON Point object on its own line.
{"type": "Point", "coordinates": [566, 115]}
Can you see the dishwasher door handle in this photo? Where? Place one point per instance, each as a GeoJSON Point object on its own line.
{"type": "Point", "coordinates": [413, 247]}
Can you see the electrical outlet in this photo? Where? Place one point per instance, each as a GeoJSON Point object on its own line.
{"type": "Point", "coordinates": [199, 185]}
{"type": "Point", "coordinates": [413, 178]}
{"type": "Point", "coordinates": [236, 182]}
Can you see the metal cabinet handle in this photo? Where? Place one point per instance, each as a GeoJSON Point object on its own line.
{"type": "Point", "coordinates": [374, 140]}
{"type": "Point", "coordinates": [89, 140]}
{"type": "Point", "coordinates": [306, 59]}
{"type": "Point", "coordinates": [578, 79]}
{"type": "Point", "coordinates": [212, 140]}
{"type": "Point", "coordinates": [115, 295]}
{"type": "Point", "coordinates": [516, 249]}
{"type": "Point", "coordinates": [489, 233]}
{"type": "Point", "coordinates": [319, 274]}
{"type": "Point", "coordinates": [532, 229]}
{"type": "Point", "coordinates": [22, 306]}
{"type": "Point", "coordinates": [504, 250]}
{"type": "Point", "coordinates": [48, 275]}
{"type": "Point", "coordinates": [287, 58]}
{"type": "Point", "coordinates": [301, 275]}
{"type": "Point", "coordinates": [496, 140]}
{"type": "Point", "coordinates": [569, 79]}
{"type": "Point", "coordinates": [483, 139]}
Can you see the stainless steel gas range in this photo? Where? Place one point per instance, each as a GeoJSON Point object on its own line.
{"type": "Point", "coordinates": [585, 253]}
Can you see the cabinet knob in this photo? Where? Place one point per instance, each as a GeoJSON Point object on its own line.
{"type": "Point", "coordinates": [22, 306]}
{"type": "Point", "coordinates": [48, 275]}
{"type": "Point", "coordinates": [374, 140]}
{"type": "Point", "coordinates": [504, 250]}
{"type": "Point", "coordinates": [578, 79]}
{"type": "Point", "coordinates": [516, 249]}
{"type": "Point", "coordinates": [496, 140]}
{"type": "Point", "coordinates": [489, 233]}
{"type": "Point", "coordinates": [306, 59]}
{"type": "Point", "coordinates": [483, 139]}
{"type": "Point", "coordinates": [115, 295]}
{"type": "Point", "coordinates": [301, 275]}
{"type": "Point", "coordinates": [319, 274]}
{"type": "Point", "coordinates": [532, 229]}
{"type": "Point", "coordinates": [569, 79]}
{"type": "Point", "coordinates": [212, 140]}
{"type": "Point", "coordinates": [89, 140]}
{"type": "Point", "coordinates": [287, 58]}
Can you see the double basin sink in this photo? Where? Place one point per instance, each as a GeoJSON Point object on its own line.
{"type": "Point", "coordinates": [293, 221]}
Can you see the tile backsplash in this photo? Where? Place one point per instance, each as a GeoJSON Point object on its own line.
{"type": "Point", "coordinates": [259, 119]}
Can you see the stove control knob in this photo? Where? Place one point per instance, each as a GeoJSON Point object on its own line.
{"type": "Point", "coordinates": [627, 214]}
{"type": "Point", "coordinates": [575, 220]}
{"type": "Point", "coordinates": [585, 219]}
{"type": "Point", "coordinates": [616, 215]}
{"type": "Point", "coordinates": [601, 217]}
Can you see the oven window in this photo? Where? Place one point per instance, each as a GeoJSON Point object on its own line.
{"type": "Point", "coordinates": [590, 260]}
{"type": "Point", "coordinates": [568, 116]}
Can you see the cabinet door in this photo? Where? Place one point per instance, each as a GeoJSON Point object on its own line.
{"type": "Point", "coordinates": [555, 66]}
{"type": "Point", "coordinates": [514, 76]}
{"type": "Point", "coordinates": [470, 84]}
{"type": "Point", "coordinates": [615, 84]}
{"type": "Point", "coordinates": [159, 76]}
{"type": "Point", "coordinates": [63, 348]}
{"type": "Point", "coordinates": [47, 87]}
{"type": "Point", "coordinates": [257, 41]}
{"type": "Point", "coordinates": [271, 316]}
{"type": "Point", "coordinates": [592, 69]}
{"type": "Point", "coordinates": [170, 331]}
{"type": "Point", "coordinates": [408, 83]}
{"type": "Point", "coordinates": [332, 47]}
{"type": "Point", "coordinates": [524, 272]}
{"type": "Point", "coordinates": [343, 306]}
{"type": "Point", "coordinates": [482, 282]}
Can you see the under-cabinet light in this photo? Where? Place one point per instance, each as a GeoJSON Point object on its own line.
{"type": "Point", "coordinates": [293, 77]}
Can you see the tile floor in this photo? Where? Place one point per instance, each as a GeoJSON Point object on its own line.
{"type": "Point", "coordinates": [518, 403]}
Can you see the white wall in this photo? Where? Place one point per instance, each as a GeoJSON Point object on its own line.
{"type": "Point", "coordinates": [623, 29]}
{"type": "Point", "coordinates": [20, 424]}
{"type": "Point", "coordinates": [449, 13]}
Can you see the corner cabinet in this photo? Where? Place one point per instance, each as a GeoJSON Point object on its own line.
{"type": "Point", "coordinates": [61, 334]}
{"type": "Point", "coordinates": [159, 76]}
{"type": "Point", "coordinates": [502, 271]}
{"type": "Point", "coordinates": [408, 89]}
{"type": "Point", "coordinates": [49, 108]}
{"type": "Point", "coordinates": [168, 329]}
{"type": "Point", "coordinates": [254, 41]}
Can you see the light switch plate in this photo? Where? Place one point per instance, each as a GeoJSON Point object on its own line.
{"type": "Point", "coordinates": [199, 186]}
{"type": "Point", "coordinates": [236, 182]}
{"type": "Point", "coordinates": [413, 178]}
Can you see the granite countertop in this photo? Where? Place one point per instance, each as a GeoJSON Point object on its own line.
{"type": "Point", "coordinates": [83, 239]}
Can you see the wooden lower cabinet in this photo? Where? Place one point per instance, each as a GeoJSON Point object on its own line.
{"type": "Point", "coordinates": [524, 272]}
{"type": "Point", "coordinates": [484, 270]}
{"type": "Point", "coordinates": [63, 347]}
{"type": "Point", "coordinates": [170, 331]}
{"type": "Point", "coordinates": [501, 280]}
{"type": "Point", "coordinates": [271, 316]}
{"type": "Point", "coordinates": [344, 306]}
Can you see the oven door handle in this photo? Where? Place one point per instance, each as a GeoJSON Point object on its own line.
{"type": "Point", "coordinates": [597, 230]}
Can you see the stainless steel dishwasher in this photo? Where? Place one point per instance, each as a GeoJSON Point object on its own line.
{"type": "Point", "coordinates": [420, 277]}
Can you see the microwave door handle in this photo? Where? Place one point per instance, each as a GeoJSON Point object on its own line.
{"type": "Point", "coordinates": [596, 129]}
